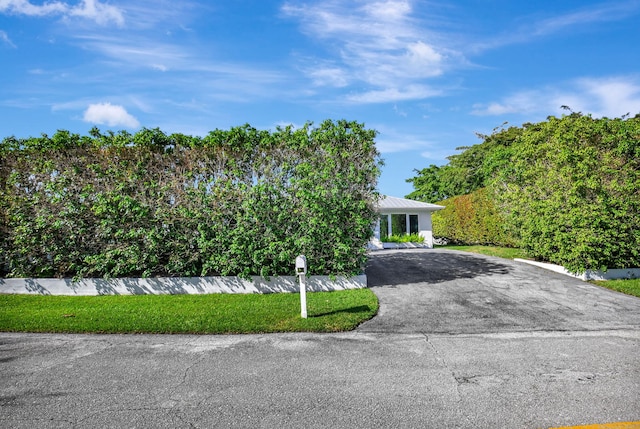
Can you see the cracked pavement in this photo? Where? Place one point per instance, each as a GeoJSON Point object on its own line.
{"type": "Point", "coordinates": [461, 341]}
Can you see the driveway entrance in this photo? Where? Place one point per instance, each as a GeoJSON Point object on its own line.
{"type": "Point", "coordinates": [446, 291]}
{"type": "Point", "coordinates": [461, 341]}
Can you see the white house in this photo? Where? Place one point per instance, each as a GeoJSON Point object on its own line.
{"type": "Point", "coordinates": [401, 216]}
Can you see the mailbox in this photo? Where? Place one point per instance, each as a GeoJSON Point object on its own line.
{"type": "Point", "coordinates": [301, 265]}
{"type": "Point", "coordinates": [301, 272]}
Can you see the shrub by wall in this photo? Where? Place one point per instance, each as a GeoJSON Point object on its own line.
{"type": "Point", "coordinates": [237, 202]}
{"type": "Point", "coordinates": [572, 191]}
{"type": "Point", "coordinates": [471, 219]}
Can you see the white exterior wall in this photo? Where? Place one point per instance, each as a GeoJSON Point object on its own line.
{"type": "Point", "coordinates": [424, 226]}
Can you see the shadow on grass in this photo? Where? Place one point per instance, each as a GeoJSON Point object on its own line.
{"type": "Point", "coordinates": [352, 310]}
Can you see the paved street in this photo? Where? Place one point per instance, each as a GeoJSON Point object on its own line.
{"type": "Point", "coordinates": [461, 341]}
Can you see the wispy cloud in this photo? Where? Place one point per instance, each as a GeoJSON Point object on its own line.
{"type": "Point", "coordinates": [135, 50]}
{"type": "Point", "coordinates": [522, 102]}
{"type": "Point", "coordinates": [410, 92]}
{"type": "Point", "coordinates": [380, 44]}
{"type": "Point", "coordinates": [607, 96]}
{"type": "Point", "coordinates": [4, 38]}
{"type": "Point", "coordinates": [597, 13]}
{"type": "Point", "coordinates": [111, 115]}
{"type": "Point", "coordinates": [93, 10]}
{"type": "Point", "coordinates": [181, 66]}
{"type": "Point", "coordinates": [168, 68]}
{"type": "Point", "coordinates": [391, 140]}
{"type": "Point", "coordinates": [537, 26]}
{"type": "Point", "coordinates": [327, 73]}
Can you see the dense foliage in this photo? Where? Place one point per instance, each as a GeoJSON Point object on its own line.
{"type": "Point", "coordinates": [466, 171]}
{"type": "Point", "coordinates": [571, 191]}
{"type": "Point", "coordinates": [237, 202]}
{"type": "Point", "coordinates": [471, 219]}
{"type": "Point", "coordinates": [567, 190]}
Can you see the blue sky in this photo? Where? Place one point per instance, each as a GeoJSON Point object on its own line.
{"type": "Point", "coordinates": [427, 75]}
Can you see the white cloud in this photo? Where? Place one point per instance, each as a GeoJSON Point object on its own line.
{"type": "Point", "coordinates": [609, 96]}
{"type": "Point", "coordinates": [98, 12]}
{"type": "Point", "coordinates": [159, 67]}
{"type": "Point", "coordinates": [24, 7]}
{"type": "Point", "coordinates": [411, 92]}
{"type": "Point", "coordinates": [91, 9]}
{"type": "Point", "coordinates": [615, 96]}
{"type": "Point", "coordinates": [390, 140]}
{"type": "Point", "coordinates": [329, 76]}
{"type": "Point", "coordinates": [111, 115]}
{"type": "Point", "coordinates": [423, 60]}
{"type": "Point", "coordinates": [521, 103]}
{"type": "Point", "coordinates": [381, 44]}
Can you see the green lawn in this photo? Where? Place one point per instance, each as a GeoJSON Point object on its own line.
{"type": "Point", "coordinates": [187, 314]}
{"type": "Point", "coordinates": [501, 252]}
{"type": "Point", "coordinates": [630, 287]}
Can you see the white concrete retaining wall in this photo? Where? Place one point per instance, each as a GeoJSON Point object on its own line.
{"type": "Point", "coordinates": [379, 245]}
{"type": "Point", "coordinates": [177, 285]}
{"type": "Point", "coordinates": [612, 274]}
{"type": "Point", "coordinates": [390, 245]}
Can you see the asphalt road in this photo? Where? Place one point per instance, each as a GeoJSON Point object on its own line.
{"type": "Point", "coordinates": [461, 341]}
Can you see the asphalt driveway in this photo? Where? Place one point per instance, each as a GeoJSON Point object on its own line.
{"type": "Point", "coordinates": [446, 291]}
{"type": "Point", "coordinates": [461, 341]}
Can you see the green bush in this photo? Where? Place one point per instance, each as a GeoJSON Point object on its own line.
{"type": "Point", "coordinates": [566, 190]}
{"type": "Point", "coordinates": [571, 191]}
{"type": "Point", "coordinates": [238, 202]}
{"type": "Point", "coordinates": [403, 238]}
{"type": "Point", "coordinates": [471, 219]}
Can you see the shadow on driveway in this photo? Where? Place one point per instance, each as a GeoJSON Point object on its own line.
{"type": "Point", "coordinates": [447, 291]}
{"type": "Point", "coordinates": [394, 267]}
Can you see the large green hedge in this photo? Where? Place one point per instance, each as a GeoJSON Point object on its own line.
{"type": "Point", "coordinates": [567, 190]}
{"type": "Point", "coordinates": [471, 219]}
{"type": "Point", "coordinates": [237, 202]}
{"type": "Point", "coordinates": [571, 191]}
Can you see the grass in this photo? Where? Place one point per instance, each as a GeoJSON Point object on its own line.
{"type": "Point", "coordinates": [187, 314]}
{"type": "Point", "coordinates": [501, 252]}
{"type": "Point", "coordinates": [630, 287]}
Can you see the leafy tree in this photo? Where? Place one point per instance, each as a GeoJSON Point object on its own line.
{"type": "Point", "coordinates": [466, 171]}
{"type": "Point", "coordinates": [430, 184]}
{"type": "Point", "coordinates": [571, 191]}
{"type": "Point", "coordinates": [566, 189]}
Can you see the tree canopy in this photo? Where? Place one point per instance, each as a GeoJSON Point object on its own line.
{"type": "Point", "coordinates": [566, 189]}
{"type": "Point", "coordinates": [466, 171]}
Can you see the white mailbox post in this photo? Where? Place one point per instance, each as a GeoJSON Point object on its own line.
{"type": "Point", "coordinates": [301, 272]}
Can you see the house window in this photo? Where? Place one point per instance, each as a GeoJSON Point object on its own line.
{"type": "Point", "coordinates": [398, 224]}
{"type": "Point", "coordinates": [384, 226]}
{"type": "Point", "coordinates": [413, 224]}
